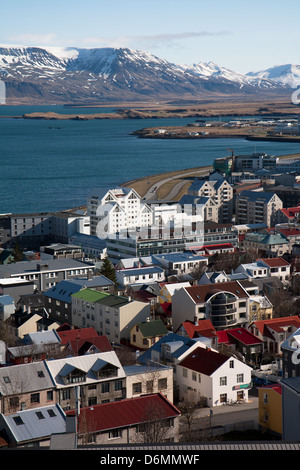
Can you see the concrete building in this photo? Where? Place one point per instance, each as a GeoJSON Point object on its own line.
{"type": "Point", "coordinates": [256, 207]}
{"type": "Point", "coordinates": [221, 193]}
{"type": "Point", "coordinates": [109, 314]}
{"type": "Point", "coordinates": [46, 274]}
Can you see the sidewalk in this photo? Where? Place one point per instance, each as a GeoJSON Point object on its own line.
{"type": "Point", "coordinates": [252, 403]}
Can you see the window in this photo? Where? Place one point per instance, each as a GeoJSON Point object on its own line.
{"type": "Point", "coordinates": [265, 398]}
{"type": "Point", "coordinates": [118, 385]}
{"type": "Point", "coordinates": [49, 395]}
{"type": "Point", "coordinates": [40, 415]}
{"type": "Point", "coordinates": [105, 387]}
{"type": "Point", "coordinates": [115, 434]}
{"type": "Point", "coordinates": [162, 384]}
{"type": "Point", "coordinates": [51, 413]}
{"type": "Point", "coordinates": [137, 387]}
{"type": "Point", "coordinates": [18, 420]}
{"type": "Point", "coordinates": [35, 398]}
{"type": "Point", "coordinates": [231, 364]}
{"type": "Point", "coordinates": [184, 372]}
{"type": "Point", "coordinates": [223, 381]}
{"type": "Point", "coordinates": [240, 378]}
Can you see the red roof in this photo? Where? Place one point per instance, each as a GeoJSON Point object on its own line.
{"type": "Point", "coordinates": [203, 360]}
{"type": "Point", "coordinates": [240, 334]}
{"type": "Point", "coordinates": [274, 262]}
{"type": "Point", "coordinates": [81, 346]}
{"type": "Point", "coordinates": [277, 324]}
{"type": "Point", "coordinates": [76, 333]}
{"type": "Point", "coordinates": [124, 413]}
{"type": "Point", "coordinates": [291, 212]}
{"type": "Point", "coordinates": [277, 388]}
{"type": "Point", "coordinates": [201, 293]}
{"type": "Point", "coordinates": [202, 328]}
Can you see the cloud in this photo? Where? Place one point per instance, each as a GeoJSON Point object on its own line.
{"type": "Point", "coordinates": [33, 39]}
{"type": "Point", "coordinates": [156, 40]}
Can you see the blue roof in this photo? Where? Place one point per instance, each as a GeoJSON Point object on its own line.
{"type": "Point", "coordinates": [6, 300]}
{"type": "Point", "coordinates": [64, 289]}
{"type": "Point", "coordinates": [138, 271]}
{"type": "Point", "coordinates": [182, 344]}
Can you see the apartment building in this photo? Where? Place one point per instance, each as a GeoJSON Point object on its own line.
{"type": "Point", "coordinates": [253, 207]}
{"type": "Point", "coordinates": [110, 315]}
{"type": "Point", "coordinates": [117, 210]}
{"type": "Point", "coordinates": [226, 304]}
{"type": "Point", "coordinates": [220, 191]}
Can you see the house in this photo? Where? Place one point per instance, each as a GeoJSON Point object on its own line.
{"type": "Point", "coordinates": [26, 386]}
{"type": "Point", "coordinates": [256, 207]}
{"type": "Point", "coordinates": [260, 308]}
{"type": "Point", "coordinates": [204, 206]}
{"type": "Point", "coordinates": [287, 215]}
{"type": "Point", "coordinates": [143, 379]}
{"type": "Point", "coordinates": [200, 329]}
{"type": "Point", "coordinates": [225, 304]}
{"type": "Point", "coordinates": [144, 334]}
{"type": "Point", "coordinates": [140, 275]}
{"type": "Point", "coordinates": [111, 315]}
{"type": "Point", "coordinates": [91, 246]}
{"type": "Point", "coordinates": [241, 341]}
{"type": "Point", "coordinates": [211, 277]}
{"type": "Point", "coordinates": [16, 287]}
{"type": "Point", "coordinates": [32, 428]}
{"type": "Point", "coordinates": [206, 375]}
{"type": "Point", "coordinates": [220, 191]}
{"type": "Point", "coordinates": [101, 378]}
{"type": "Point", "coordinates": [270, 409]}
{"type": "Point", "coordinates": [167, 290]}
{"type": "Point", "coordinates": [129, 421]}
{"type": "Point", "coordinates": [268, 244]}
{"type": "Point", "coordinates": [33, 322]}
{"type": "Point", "coordinates": [274, 332]}
{"type": "Point", "coordinates": [80, 341]}
{"type": "Point", "coordinates": [278, 267]}
{"type": "Point", "coordinates": [178, 264]}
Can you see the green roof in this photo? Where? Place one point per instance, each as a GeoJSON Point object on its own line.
{"type": "Point", "coordinates": [152, 328]}
{"type": "Point", "coordinates": [104, 298]}
{"type": "Point", "coordinates": [90, 295]}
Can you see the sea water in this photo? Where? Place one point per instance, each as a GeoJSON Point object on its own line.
{"type": "Point", "coordinates": [50, 165]}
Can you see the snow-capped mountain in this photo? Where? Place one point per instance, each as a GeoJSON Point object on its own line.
{"type": "Point", "coordinates": [75, 74]}
{"type": "Point", "coordinates": [287, 74]}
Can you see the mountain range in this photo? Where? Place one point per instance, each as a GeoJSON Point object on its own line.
{"type": "Point", "coordinates": [76, 75]}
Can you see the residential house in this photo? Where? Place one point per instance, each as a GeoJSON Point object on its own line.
{"type": "Point", "coordinates": [239, 341]}
{"type": "Point", "coordinates": [46, 274]}
{"type": "Point", "coordinates": [256, 207]}
{"type": "Point", "coordinates": [144, 334]}
{"type": "Point", "coordinates": [91, 246]}
{"type": "Point", "coordinates": [143, 379]}
{"type": "Point", "coordinates": [58, 299]}
{"type": "Point", "coordinates": [206, 207]}
{"type": "Point", "coordinates": [286, 215]}
{"type": "Point", "coordinates": [260, 308]}
{"type": "Point", "coordinates": [26, 386]}
{"type": "Point", "coordinates": [32, 428]}
{"type": "Point", "coordinates": [60, 251]}
{"type": "Point", "coordinates": [270, 409]}
{"type": "Point", "coordinates": [225, 304]}
{"type": "Point", "coordinates": [274, 332]}
{"type": "Point", "coordinates": [179, 264]}
{"type": "Point", "coordinates": [167, 290]}
{"type": "Point", "coordinates": [33, 322]}
{"type": "Point", "coordinates": [140, 275]}
{"type": "Point", "coordinates": [278, 267]}
{"type": "Point", "coordinates": [213, 378]}
{"type": "Point", "coordinates": [101, 378]}
{"type": "Point", "coordinates": [267, 244]}
{"type": "Point", "coordinates": [200, 329]}
{"type": "Point", "coordinates": [80, 341]}
{"type": "Point", "coordinates": [129, 421]}
{"type": "Point", "coordinates": [212, 277]}
{"type": "Point", "coordinates": [111, 315]}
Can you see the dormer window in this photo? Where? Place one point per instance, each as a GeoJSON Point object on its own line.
{"type": "Point", "coordinates": [103, 369]}
{"type": "Point", "coordinates": [71, 374]}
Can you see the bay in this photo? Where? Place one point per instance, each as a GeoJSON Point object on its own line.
{"type": "Point", "coordinates": [55, 165]}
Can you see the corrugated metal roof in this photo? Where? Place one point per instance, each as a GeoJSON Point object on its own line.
{"type": "Point", "coordinates": [25, 378]}
{"type": "Point", "coordinates": [204, 361]}
{"type": "Point", "coordinates": [37, 423]}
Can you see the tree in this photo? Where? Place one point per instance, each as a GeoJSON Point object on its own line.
{"type": "Point", "coordinates": [108, 270]}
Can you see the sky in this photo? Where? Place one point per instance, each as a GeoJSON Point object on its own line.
{"type": "Point", "coordinates": [241, 35]}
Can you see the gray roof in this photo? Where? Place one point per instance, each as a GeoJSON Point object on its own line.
{"type": "Point", "coordinates": [64, 289]}
{"type": "Point", "coordinates": [254, 195]}
{"type": "Point", "coordinates": [138, 271]}
{"type": "Point", "coordinates": [25, 378]}
{"type": "Point", "coordinates": [38, 423]}
{"type": "Point", "coordinates": [23, 267]}
{"type": "Point", "coordinates": [6, 300]}
{"type": "Point", "coordinates": [42, 337]}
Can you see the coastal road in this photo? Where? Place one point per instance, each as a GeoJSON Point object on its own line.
{"type": "Point", "coordinates": [151, 194]}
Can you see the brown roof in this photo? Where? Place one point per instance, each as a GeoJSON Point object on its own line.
{"type": "Point", "coordinates": [274, 262]}
{"type": "Point", "coordinates": [200, 294]}
{"type": "Point", "coordinates": [277, 324]}
{"type": "Point", "coordinates": [202, 328]}
{"type": "Point", "coordinates": [204, 361]}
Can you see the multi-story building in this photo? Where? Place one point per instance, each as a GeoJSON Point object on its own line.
{"type": "Point", "coordinates": [220, 191]}
{"type": "Point", "coordinates": [46, 274]}
{"type": "Point", "coordinates": [254, 207]}
{"type": "Point", "coordinates": [226, 304]}
{"type": "Point", "coordinates": [111, 315]}
{"type": "Point", "coordinates": [117, 210]}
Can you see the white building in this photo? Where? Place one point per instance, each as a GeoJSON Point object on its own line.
{"type": "Point", "coordinates": [117, 210]}
{"type": "Point", "coordinates": [139, 275]}
{"type": "Point", "coordinates": [209, 375]}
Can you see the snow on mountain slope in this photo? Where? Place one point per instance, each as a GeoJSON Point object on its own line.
{"type": "Point", "coordinates": [287, 74]}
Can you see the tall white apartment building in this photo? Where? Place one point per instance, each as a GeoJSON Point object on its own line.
{"type": "Point", "coordinates": [116, 210]}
